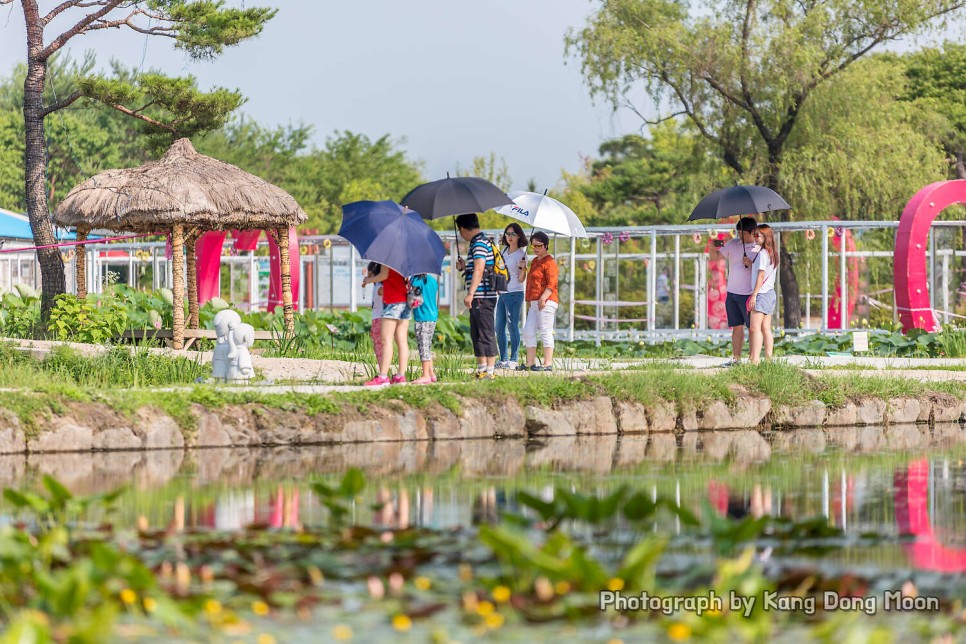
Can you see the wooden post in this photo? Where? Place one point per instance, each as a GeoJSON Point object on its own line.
{"type": "Point", "coordinates": [80, 262]}
{"type": "Point", "coordinates": [282, 237]}
{"type": "Point", "coordinates": [192, 256]}
{"type": "Point", "coordinates": [177, 272]}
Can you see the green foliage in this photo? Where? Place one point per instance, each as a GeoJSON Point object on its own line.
{"type": "Point", "coordinates": [87, 320]}
{"type": "Point", "coordinates": [849, 161]}
{"type": "Point", "coordinates": [57, 584]}
{"type": "Point", "coordinates": [203, 28]}
{"type": "Point", "coordinates": [567, 505]}
{"type": "Point", "coordinates": [20, 313]}
{"type": "Point", "coordinates": [166, 108]}
{"type": "Point", "coordinates": [936, 86]}
{"type": "Point", "coordinates": [655, 180]}
{"type": "Point", "coordinates": [118, 367]}
{"type": "Point", "coordinates": [338, 500]}
{"type": "Point", "coordinates": [349, 167]}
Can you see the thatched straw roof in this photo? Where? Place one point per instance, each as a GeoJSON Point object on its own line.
{"type": "Point", "coordinates": [183, 187]}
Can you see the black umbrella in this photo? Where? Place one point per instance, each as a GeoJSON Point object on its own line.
{"type": "Point", "coordinates": [454, 196]}
{"type": "Point", "coordinates": [738, 200]}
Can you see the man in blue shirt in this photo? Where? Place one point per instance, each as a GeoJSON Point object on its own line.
{"type": "Point", "coordinates": [480, 297]}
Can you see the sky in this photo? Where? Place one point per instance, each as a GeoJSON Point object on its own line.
{"type": "Point", "coordinates": [450, 80]}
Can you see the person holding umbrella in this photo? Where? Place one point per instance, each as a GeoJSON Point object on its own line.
{"type": "Point", "coordinates": [400, 241]}
{"type": "Point", "coordinates": [740, 253]}
{"type": "Point", "coordinates": [395, 325]}
{"type": "Point", "coordinates": [480, 296]}
{"type": "Point", "coordinates": [542, 298]}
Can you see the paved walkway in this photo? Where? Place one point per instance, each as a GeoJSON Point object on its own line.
{"type": "Point", "coordinates": [335, 375]}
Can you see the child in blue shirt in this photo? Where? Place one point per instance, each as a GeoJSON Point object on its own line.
{"type": "Point", "coordinates": [425, 315]}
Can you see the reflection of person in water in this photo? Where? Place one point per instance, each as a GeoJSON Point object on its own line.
{"type": "Point", "coordinates": [392, 513]}
{"type": "Point", "coordinates": [737, 506]}
{"type": "Point", "coordinates": [489, 503]}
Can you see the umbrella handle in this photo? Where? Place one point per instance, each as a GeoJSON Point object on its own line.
{"type": "Point", "coordinates": [456, 236]}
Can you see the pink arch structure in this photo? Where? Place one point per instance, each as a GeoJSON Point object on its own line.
{"type": "Point", "coordinates": [209, 263]}
{"type": "Point", "coordinates": [909, 271]}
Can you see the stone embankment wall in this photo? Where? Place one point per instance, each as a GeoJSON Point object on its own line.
{"type": "Point", "coordinates": [84, 427]}
{"type": "Point", "coordinates": [93, 472]}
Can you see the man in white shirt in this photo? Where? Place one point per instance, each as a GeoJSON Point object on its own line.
{"type": "Point", "coordinates": [740, 253]}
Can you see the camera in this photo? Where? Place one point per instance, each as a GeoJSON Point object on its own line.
{"type": "Point", "coordinates": [718, 243]}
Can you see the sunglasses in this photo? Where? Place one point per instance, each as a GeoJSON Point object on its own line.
{"type": "Point", "coordinates": [538, 245]}
{"type": "Point", "coordinates": [510, 234]}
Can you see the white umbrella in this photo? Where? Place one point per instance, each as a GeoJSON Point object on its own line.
{"type": "Point", "coordinates": [541, 211]}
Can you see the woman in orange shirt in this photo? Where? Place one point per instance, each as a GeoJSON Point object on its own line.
{"type": "Point", "coordinates": [542, 299]}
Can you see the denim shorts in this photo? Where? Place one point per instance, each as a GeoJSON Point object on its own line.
{"type": "Point", "coordinates": [397, 311]}
{"type": "Point", "coordinates": [765, 302]}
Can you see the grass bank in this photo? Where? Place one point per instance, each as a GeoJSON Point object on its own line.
{"type": "Point", "coordinates": [127, 381]}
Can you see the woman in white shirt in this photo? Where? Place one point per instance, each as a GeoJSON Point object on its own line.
{"type": "Point", "coordinates": [510, 305]}
{"type": "Point", "coordinates": [763, 298]}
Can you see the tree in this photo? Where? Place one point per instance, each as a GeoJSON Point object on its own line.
{"type": "Point", "coordinates": [649, 180]}
{"type": "Point", "coordinates": [491, 168]}
{"type": "Point", "coordinates": [846, 160]}
{"type": "Point", "coordinates": [937, 82]}
{"type": "Point", "coordinates": [741, 71]}
{"type": "Point", "coordinates": [351, 167]}
{"type": "Point", "coordinates": [202, 28]}
{"type": "Point", "coordinates": [494, 169]}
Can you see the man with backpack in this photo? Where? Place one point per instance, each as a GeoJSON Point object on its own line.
{"type": "Point", "coordinates": [482, 280]}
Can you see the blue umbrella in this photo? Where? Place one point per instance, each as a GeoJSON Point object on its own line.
{"type": "Point", "coordinates": [383, 232]}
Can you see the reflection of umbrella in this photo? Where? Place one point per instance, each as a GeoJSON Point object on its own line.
{"type": "Point", "coordinates": [541, 211]}
{"type": "Point", "coordinates": [385, 233]}
{"type": "Point", "coordinates": [738, 200]}
{"type": "Point", "coordinates": [454, 196]}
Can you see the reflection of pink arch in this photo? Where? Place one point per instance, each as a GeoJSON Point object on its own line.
{"type": "Point", "coordinates": [912, 293]}
{"type": "Point", "coordinates": [911, 489]}
{"type": "Point", "coordinates": [209, 263]}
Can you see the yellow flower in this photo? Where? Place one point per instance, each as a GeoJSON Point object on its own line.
{"type": "Point", "coordinates": [422, 583]}
{"type": "Point", "coordinates": [150, 604]}
{"type": "Point", "coordinates": [316, 575]}
{"type": "Point", "coordinates": [561, 587]}
{"type": "Point", "coordinates": [615, 641]}
{"type": "Point", "coordinates": [260, 608]}
{"type": "Point", "coordinates": [493, 621]}
{"type": "Point", "coordinates": [212, 606]}
{"type": "Point", "coordinates": [678, 632]}
{"type": "Point", "coordinates": [485, 608]}
{"type": "Point", "coordinates": [342, 633]}
{"type": "Point", "coordinates": [501, 594]}
{"type": "Point", "coordinates": [128, 596]}
{"type": "Point", "coordinates": [615, 584]}
{"type": "Point", "coordinates": [402, 622]}
{"type": "Point", "coordinates": [265, 638]}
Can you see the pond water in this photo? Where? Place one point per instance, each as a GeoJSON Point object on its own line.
{"type": "Point", "coordinates": [897, 494]}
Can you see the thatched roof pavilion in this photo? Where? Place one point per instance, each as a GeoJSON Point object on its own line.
{"type": "Point", "coordinates": [183, 194]}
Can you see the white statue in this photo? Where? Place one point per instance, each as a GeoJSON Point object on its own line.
{"type": "Point", "coordinates": [225, 355]}
{"type": "Point", "coordinates": [241, 369]}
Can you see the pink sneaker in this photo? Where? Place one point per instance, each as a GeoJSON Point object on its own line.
{"type": "Point", "coordinates": [423, 380]}
{"type": "Point", "coordinates": [434, 378]}
{"type": "Point", "coordinates": [399, 379]}
{"type": "Point", "coordinates": [378, 381]}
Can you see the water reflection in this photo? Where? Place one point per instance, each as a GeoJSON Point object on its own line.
{"type": "Point", "coordinates": [913, 498]}
{"type": "Point", "coordinates": [855, 477]}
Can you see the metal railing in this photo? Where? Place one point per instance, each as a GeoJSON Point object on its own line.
{"type": "Point", "coordinates": [605, 292]}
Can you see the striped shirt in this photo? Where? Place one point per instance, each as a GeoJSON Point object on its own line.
{"type": "Point", "coordinates": [479, 248]}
